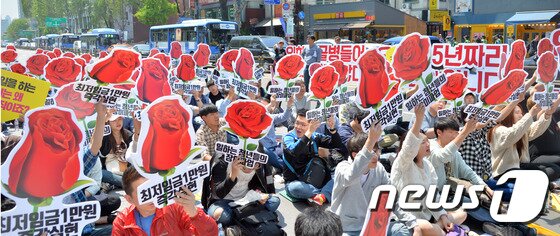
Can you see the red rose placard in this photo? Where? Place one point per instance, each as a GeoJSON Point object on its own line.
{"type": "Point", "coordinates": [186, 68]}
{"type": "Point", "coordinates": [516, 57]}
{"type": "Point", "coordinates": [62, 70]}
{"type": "Point", "coordinates": [153, 52]}
{"type": "Point", "coordinates": [290, 66]}
{"type": "Point", "coordinates": [117, 67]}
{"type": "Point", "coordinates": [39, 51]}
{"type": "Point", "coordinates": [57, 52]}
{"type": "Point", "coordinates": [168, 141]}
{"type": "Point", "coordinates": [11, 47]}
{"type": "Point", "coordinates": [103, 54]}
{"type": "Point", "coordinates": [244, 64]}
{"type": "Point", "coordinates": [165, 59]}
{"type": "Point", "coordinates": [547, 67]}
{"type": "Point", "coordinates": [202, 55]}
{"type": "Point", "coordinates": [545, 45]}
{"type": "Point", "coordinates": [51, 55]}
{"type": "Point", "coordinates": [18, 68]}
{"type": "Point", "coordinates": [86, 57]}
{"type": "Point", "coordinates": [248, 119]}
{"type": "Point", "coordinates": [455, 85]}
{"type": "Point", "coordinates": [69, 54]}
{"type": "Point", "coordinates": [342, 71]}
{"type": "Point", "coordinates": [227, 59]}
{"type": "Point", "coordinates": [67, 97]}
{"type": "Point", "coordinates": [395, 89]}
{"type": "Point", "coordinates": [8, 56]}
{"type": "Point", "coordinates": [323, 82]}
{"type": "Point", "coordinates": [153, 82]}
{"type": "Point", "coordinates": [313, 67]}
{"type": "Point", "coordinates": [47, 163]}
{"type": "Point", "coordinates": [36, 64]}
{"type": "Point", "coordinates": [175, 51]}
{"type": "Point", "coordinates": [501, 91]}
{"type": "Point", "coordinates": [411, 57]}
{"type": "Point", "coordinates": [374, 81]}
{"type": "Point", "coordinates": [82, 63]}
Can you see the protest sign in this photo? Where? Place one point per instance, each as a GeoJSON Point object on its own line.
{"type": "Point", "coordinates": [322, 113]}
{"type": "Point", "coordinates": [117, 67]}
{"type": "Point", "coordinates": [454, 87]}
{"type": "Point", "coordinates": [165, 149]}
{"type": "Point", "coordinates": [242, 88]}
{"type": "Point", "coordinates": [231, 151]}
{"type": "Point", "coordinates": [164, 58]}
{"type": "Point", "coordinates": [348, 53]}
{"type": "Point", "coordinates": [544, 99]}
{"type": "Point", "coordinates": [322, 85]}
{"type": "Point", "coordinates": [91, 91]}
{"type": "Point", "coordinates": [426, 94]}
{"type": "Point", "coordinates": [515, 95]}
{"type": "Point", "coordinates": [482, 114]}
{"type": "Point", "coordinates": [62, 70]}
{"type": "Point", "coordinates": [153, 81]}
{"type": "Point", "coordinates": [259, 73]}
{"type": "Point", "coordinates": [249, 121]}
{"type": "Point", "coordinates": [244, 65]}
{"type": "Point", "coordinates": [502, 90]}
{"type": "Point", "coordinates": [36, 64]}
{"type": "Point", "coordinates": [21, 93]}
{"type": "Point", "coordinates": [288, 68]}
{"type": "Point", "coordinates": [39, 174]}
{"type": "Point", "coordinates": [202, 55]}
{"type": "Point", "coordinates": [343, 95]}
{"type": "Point", "coordinates": [378, 216]}
{"type": "Point", "coordinates": [387, 114]}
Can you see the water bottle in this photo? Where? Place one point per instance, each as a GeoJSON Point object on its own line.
{"type": "Point", "coordinates": [221, 231]}
{"type": "Point", "coordinates": [16, 125]}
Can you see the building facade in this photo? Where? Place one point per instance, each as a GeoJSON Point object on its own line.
{"type": "Point", "coordinates": [364, 21]}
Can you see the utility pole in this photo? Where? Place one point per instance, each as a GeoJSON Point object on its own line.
{"type": "Point", "coordinates": [272, 19]}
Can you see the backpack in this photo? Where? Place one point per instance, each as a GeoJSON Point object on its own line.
{"type": "Point", "coordinates": [316, 172]}
{"type": "Point", "coordinates": [254, 219]}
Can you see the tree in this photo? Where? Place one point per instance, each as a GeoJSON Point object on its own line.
{"type": "Point", "coordinates": [15, 28]}
{"type": "Point", "coordinates": [155, 12]}
{"type": "Point", "coordinates": [26, 8]}
{"type": "Point", "coordinates": [224, 10]}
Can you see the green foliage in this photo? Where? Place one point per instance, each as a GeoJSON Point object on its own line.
{"type": "Point", "coordinates": [15, 28]}
{"type": "Point", "coordinates": [155, 12]}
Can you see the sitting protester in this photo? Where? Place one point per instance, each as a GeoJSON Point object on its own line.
{"type": "Point", "coordinates": [114, 149]}
{"type": "Point", "coordinates": [233, 181]}
{"type": "Point", "coordinates": [269, 140]}
{"type": "Point", "coordinates": [210, 132]}
{"type": "Point", "coordinates": [412, 168]}
{"type": "Point", "coordinates": [301, 157]}
{"type": "Point", "coordinates": [179, 218]}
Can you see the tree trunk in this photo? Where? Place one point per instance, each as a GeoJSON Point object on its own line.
{"type": "Point", "coordinates": [224, 10]}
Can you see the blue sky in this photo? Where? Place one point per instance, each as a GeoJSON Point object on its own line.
{"type": "Point", "coordinates": [9, 7]}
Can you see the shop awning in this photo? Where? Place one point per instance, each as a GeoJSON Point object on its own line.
{"type": "Point", "coordinates": [266, 23]}
{"type": "Point", "coordinates": [357, 25]}
{"type": "Point", "coordinates": [328, 26]}
{"type": "Point", "coordinates": [532, 17]}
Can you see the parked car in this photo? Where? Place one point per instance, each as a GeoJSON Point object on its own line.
{"type": "Point", "coordinates": [331, 41]}
{"type": "Point", "coordinates": [262, 47]}
{"type": "Point", "coordinates": [398, 39]}
{"type": "Point", "coordinates": [143, 49]}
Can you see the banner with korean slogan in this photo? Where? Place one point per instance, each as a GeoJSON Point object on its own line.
{"type": "Point", "coordinates": [288, 69]}
{"type": "Point", "coordinates": [249, 121]}
{"type": "Point", "coordinates": [165, 150]}
{"type": "Point", "coordinates": [20, 94]}
{"type": "Point", "coordinates": [44, 168]}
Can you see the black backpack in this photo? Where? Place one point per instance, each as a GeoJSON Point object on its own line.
{"type": "Point", "coordinates": [254, 219]}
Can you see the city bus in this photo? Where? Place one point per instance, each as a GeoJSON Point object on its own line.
{"type": "Point", "coordinates": [216, 33]}
{"type": "Point", "coordinates": [99, 40]}
{"type": "Point", "coordinates": [66, 41]}
{"type": "Point", "coordinates": [47, 41]}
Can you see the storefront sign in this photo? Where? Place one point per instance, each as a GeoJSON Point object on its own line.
{"type": "Point", "coordinates": [438, 15]}
{"type": "Point", "coordinates": [446, 23]}
{"type": "Point", "coordinates": [339, 15]}
{"type": "Point", "coordinates": [434, 4]}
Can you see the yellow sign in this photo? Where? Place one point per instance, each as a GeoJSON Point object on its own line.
{"type": "Point", "coordinates": [20, 94]}
{"type": "Point", "coordinates": [437, 15]}
{"type": "Point", "coordinates": [446, 22]}
{"type": "Point", "coordinates": [510, 29]}
{"type": "Point", "coordinates": [338, 15]}
{"type": "Point", "coordinates": [434, 4]}
{"type": "Point", "coordinates": [389, 53]}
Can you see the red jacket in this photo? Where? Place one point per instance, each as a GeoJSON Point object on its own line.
{"type": "Point", "coordinates": [171, 220]}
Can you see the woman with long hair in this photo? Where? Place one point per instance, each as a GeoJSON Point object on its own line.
{"type": "Point", "coordinates": [113, 151]}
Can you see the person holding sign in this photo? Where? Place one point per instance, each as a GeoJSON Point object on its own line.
{"type": "Point", "coordinates": [301, 147]}
{"type": "Point", "coordinates": [233, 181]}
{"type": "Point", "coordinates": [430, 119]}
{"type": "Point", "coordinates": [113, 151]}
{"type": "Point", "coordinates": [180, 218]}
{"type": "Point", "coordinates": [411, 168]}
